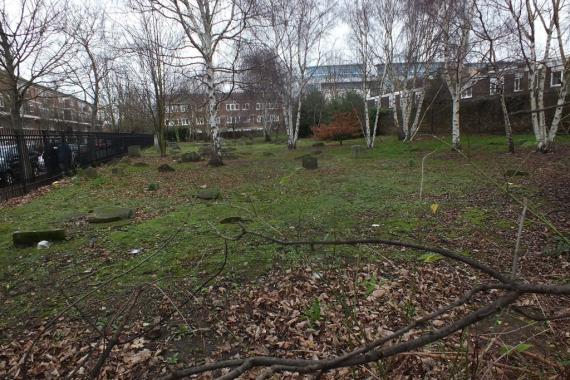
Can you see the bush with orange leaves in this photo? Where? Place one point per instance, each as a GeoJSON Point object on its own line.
{"type": "Point", "coordinates": [344, 126]}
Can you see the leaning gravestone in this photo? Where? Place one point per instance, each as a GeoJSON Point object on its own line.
{"type": "Point", "coordinates": [358, 151]}
{"type": "Point", "coordinates": [27, 238]}
{"type": "Point", "coordinates": [134, 151]}
{"type": "Point", "coordinates": [310, 163]}
{"type": "Point", "coordinates": [208, 194]}
{"type": "Point", "coordinates": [190, 157]}
{"type": "Point", "coordinates": [90, 172]}
{"type": "Point", "coordinates": [110, 214]}
{"type": "Point", "coordinates": [165, 168]}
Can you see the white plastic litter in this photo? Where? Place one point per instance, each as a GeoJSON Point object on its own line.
{"type": "Point", "coordinates": [135, 251]}
{"type": "Point", "coordinates": [44, 244]}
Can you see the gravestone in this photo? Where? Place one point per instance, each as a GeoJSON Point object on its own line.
{"type": "Point", "coordinates": [90, 172]}
{"type": "Point", "coordinates": [134, 151]}
{"type": "Point", "coordinates": [165, 168]}
{"type": "Point", "coordinates": [208, 194]}
{"type": "Point", "coordinates": [109, 214]}
{"type": "Point", "coordinates": [27, 238]}
{"type": "Point", "coordinates": [310, 163]}
{"type": "Point", "coordinates": [358, 151]}
{"type": "Point", "coordinates": [190, 157]}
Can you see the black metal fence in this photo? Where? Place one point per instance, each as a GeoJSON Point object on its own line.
{"type": "Point", "coordinates": [33, 158]}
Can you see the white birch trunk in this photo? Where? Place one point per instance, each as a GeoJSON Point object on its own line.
{"type": "Point", "coordinates": [368, 134]}
{"type": "Point", "coordinates": [455, 131]}
{"type": "Point", "coordinates": [416, 124]}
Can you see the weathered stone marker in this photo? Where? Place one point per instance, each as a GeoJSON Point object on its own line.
{"type": "Point", "coordinates": [110, 214]}
{"type": "Point", "coordinates": [208, 194]}
{"type": "Point", "coordinates": [134, 151]}
{"type": "Point", "coordinates": [190, 157]}
{"type": "Point", "coordinates": [90, 172]}
{"type": "Point", "coordinates": [27, 238]}
{"type": "Point", "coordinates": [310, 163]}
{"type": "Point", "coordinates": [165, 168]}
{"type": "Point", "coordinates": [358, 151]}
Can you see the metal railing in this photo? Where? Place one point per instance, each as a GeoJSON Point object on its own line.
{"type": "Point", "coordinates": [33, 158]}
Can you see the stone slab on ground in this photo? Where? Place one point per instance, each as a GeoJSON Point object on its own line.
{"type": "Point", "coordinates": [191, 157]}
{"type": "Point", "coordinates": [134, 151]}
{"type": "Point", "coordinates": [28, 238]}
{"type": "Point", "coordinates": [310, 163]}
{"type": "Point", "coordinates": [165, 168]}
{"type": "Point", "coordinates": [110, 214]}
{"type": "Point", "coordinates": [208, 194]}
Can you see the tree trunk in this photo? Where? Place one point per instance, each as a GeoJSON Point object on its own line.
{"type": "Point", "coordinates": [455, 138]}
{"type": "Point", "coordinates": [508, 129]}
{"type": "Point", "coordinates": [216, 149]}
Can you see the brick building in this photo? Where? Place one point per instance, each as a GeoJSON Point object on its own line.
{"type": "Point", "coordinates": [48, 109]}
{"type": "Point", "coordinates": [240, 112]}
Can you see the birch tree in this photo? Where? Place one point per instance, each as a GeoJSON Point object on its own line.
{"type": "Point", "coordinates": [416, 48]}
{"type": "Point", "coordinates": [88, 68]}
{"type": "Point", "coordinates": [361, 19]}
{"type": "Point", "coordinates": [214, 31]}
{"type": "Point", "coordinates": [293, 31]}
{"type": "Point", "coordinates": [542, 33]}
{"type": "Point", "coordinates": [455, 25]}
{"type": "Point", "coordinates": [496, 40]}
{"type": "Point", "coordinates": [155, 46]}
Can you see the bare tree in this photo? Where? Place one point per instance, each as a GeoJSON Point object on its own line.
{"type": "Point", "coordinates": [361, 19]}
{"type": "Point", "coordinates": [293, 31]}
{"type": "Point", "coordinates": [262, 78]}
{"type": "Point", "coordinates": [214, 30]}
{"type": "Point", "coordinates": [155, 45]}
{"type": "Point", "coordinates": [32, 48]}
{"type": "Point", "coordinates": [533, 20]}
{"type": "Point", "coordinates": [89, 67]}
{"type": "Point", "coordinates": [415, 53]}
{"type": "Point", "coordinates": [494, 34]}
{"type": "Point", "coordinates": [455, 26]}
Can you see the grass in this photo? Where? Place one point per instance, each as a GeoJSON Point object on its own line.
{"type": "Point", "coordinates": [372, 196]}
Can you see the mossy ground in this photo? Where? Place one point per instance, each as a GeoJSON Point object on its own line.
{"type": "Point", "coordinates": [176, 233]}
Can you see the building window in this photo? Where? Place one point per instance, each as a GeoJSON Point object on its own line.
{"type": "Point", "coordinates": [271, 106]}
{"type": "Point", "coordinates": [493, 86]}
{"type": "Point", "coordinates": [257, 106]}
{"type": "Point", "coordinates": [518, 82]}
{"type": "Point", "coordinates": [274, 118]}
{"type": "Point", "coordinates": [467, 93]}
{"type": "Point", "coordinates": [184, 121]}
{"type": "Point", "coordinates": [246, 107]}
{"type": "Point", "coordinates": [259, 118]}
{"type": "Point", "coordinates": [182, 108]}
{"type": "Point", "coordinates": [233, 119]}
{"type": "Point", "coordinates": [556, 78]}
{"type": "Point", "coordinates": [232, 107]}
{"type": "Point", "coordinates": [199, 121]}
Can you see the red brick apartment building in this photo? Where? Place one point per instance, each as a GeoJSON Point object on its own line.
{"type": "Point", "coordinates": [49, 109]}
{"type": "Point", "coordinates": [239, 112]}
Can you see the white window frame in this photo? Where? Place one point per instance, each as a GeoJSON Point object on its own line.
{"type": "Point", "coordinates": [232, 107]}
{"type": "Point", "coordinates": [552, 72]}
{"type": "Point", "coordinates": [245, 107]}
{"type": "Point", "coordinates": [517, 84]}
{"type": "Point", "coordinates": [199, 121]}
{"type": "Point", "coordinates": [494, 84]}
{"type": "Point", "coordinates": [259, 118]}
{"type": "Point", "coordinates": [182, 108]}
{"type": "Point", "coordinates": [257, 106]}
{"type": "Point", "coordinates": [467, 93]}
{"type": "Point", "coordinates": [274, 117]}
